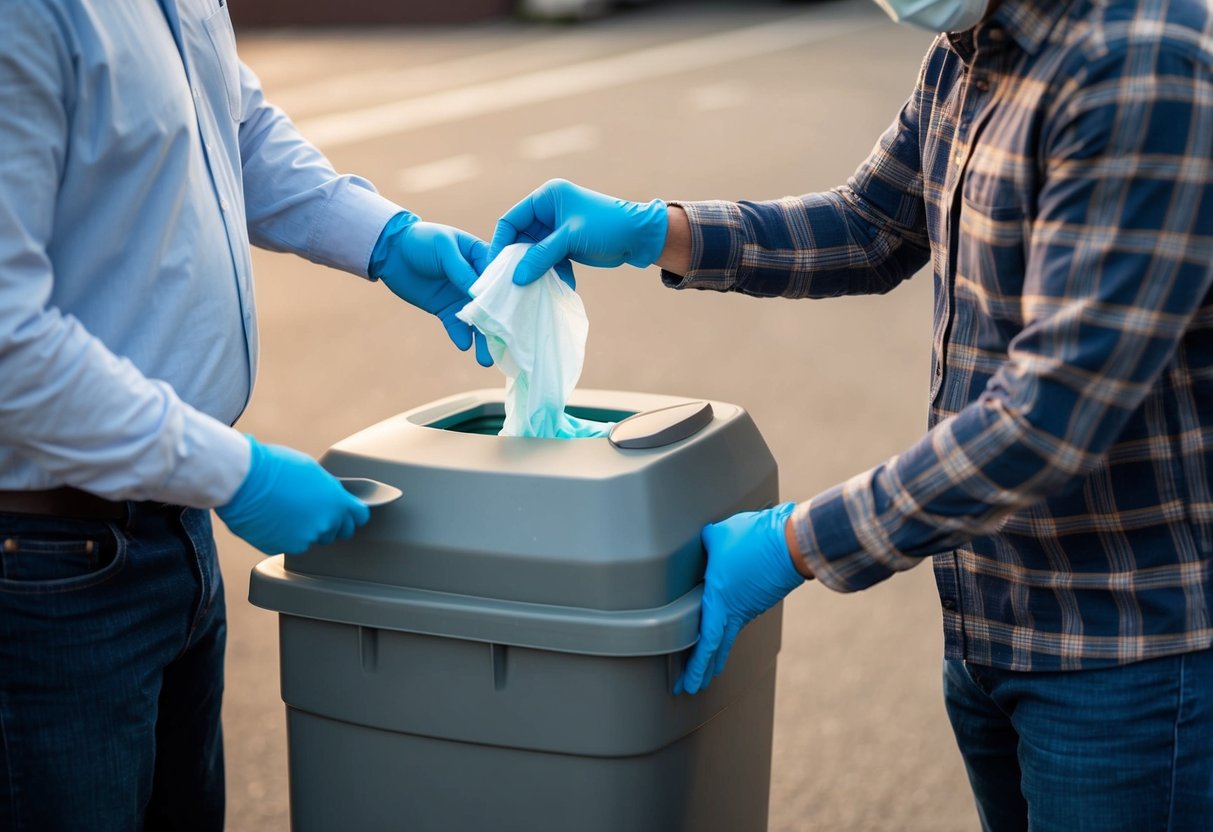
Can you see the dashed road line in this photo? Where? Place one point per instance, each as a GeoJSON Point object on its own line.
{"type": "Point", "coordinates": [722, 96]}
{"type": "Point", "coordinates": [354, 126]}
{"type": "Point", "coordinates": [576, 139]}
{"type": "Point", "coordinates": [440, 174]}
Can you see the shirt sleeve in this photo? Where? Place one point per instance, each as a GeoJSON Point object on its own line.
{"type": "Point", "coordinates": [1119, 261]}
{"type": "Point", "coordinates": [67, 403]}
{"type": "Point", "coordinates": [865, 237]}
{"type": "Point", "coordinates": [294, 200]}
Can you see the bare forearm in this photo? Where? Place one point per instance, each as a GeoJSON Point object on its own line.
{"type": "Point", "coordinates": [794, 550]}
{"type": "Point", "coordinates": [676, 256]}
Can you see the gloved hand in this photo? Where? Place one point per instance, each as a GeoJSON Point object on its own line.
{"type": "Point", "coordinates": [287, 502]}
{"type": "Point", "coordinates": [749, 571]}
{"type": "Point", "coordinates": [432, 267]}
{"type": "Point", "coordinates": [567, 221]}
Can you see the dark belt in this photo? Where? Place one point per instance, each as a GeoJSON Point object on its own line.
{"type": "Point", "coordinates": [62, 502]}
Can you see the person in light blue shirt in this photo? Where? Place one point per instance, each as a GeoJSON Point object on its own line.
{"type": "Point", "coordinates": [138, 161]}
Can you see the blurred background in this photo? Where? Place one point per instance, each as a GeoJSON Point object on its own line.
{"type": "Point", "coordinates": [459, 108]}
{"type": "Point", "coordinates": [363, 12]}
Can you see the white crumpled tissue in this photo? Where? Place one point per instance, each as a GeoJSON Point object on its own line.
{"type": "Point", "coordinates": [536, 335]}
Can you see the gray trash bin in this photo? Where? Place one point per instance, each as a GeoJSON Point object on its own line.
{"type": "Point", "coordinates": [496, 650]}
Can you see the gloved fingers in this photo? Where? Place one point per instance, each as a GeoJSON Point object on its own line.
{"type": "Point", "coordinates": [695, 677]}
{"type": "Point", "coordinates": [455, 265]}
{"type": "Point", "coordinates": [506, 233]}
{"type": "Point", "coordinates": [348, 514]}
{"type": "Point", "coordinates": [359, 512]}
{"type": "Point", "coordinates": [265, 547]}
{"type": "Point", "coordinates": [291, 503]}
{"type": "Point", "coordinates": [483, 357]}
{"type": "Point", "coordinates": [711, 630]}
{"type": "Point", "coordinates": [329, 534]}
{"type": "Point", "coordinates": [476, 253]}
{"type": "Point", "coordinates": [459, 332]}
{"type": "Point", "coordinates": [564, 270]}
{"type": "Point", "coordinates": [531, 239]}
{"type": "Point", "coordinates": [347, 529]}
{"type": "Point", "coordinates": [517, 220]}
{"type": "Point", "coordinates": [726, 645]}
{"type": "Point", "coordinates": [295, 546]}
{"type": "Point", "coordinates": [464, 336]}
{"type": "Point", "coordinates": [543, 256]}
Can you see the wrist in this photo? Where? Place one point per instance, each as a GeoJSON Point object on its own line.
{"type": "Point", "coordinates": [785, 573]}
{"type": "Point", "coordinates": [652, 232]}
{"type": "Point", "coordinates": [797, 556]}
{"type": "Point", "coordinates": [676, 251]}
{"type": "Point", "coordinates": [252, 483]}
{"type": "Point", "coordinates": [391, 236]}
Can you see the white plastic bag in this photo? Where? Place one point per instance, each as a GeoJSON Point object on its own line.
{"type": "Point", "coordinates": [536, 335]}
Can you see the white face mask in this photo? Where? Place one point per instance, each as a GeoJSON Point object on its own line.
{"type": "Point", "coordinates": [937, 15]}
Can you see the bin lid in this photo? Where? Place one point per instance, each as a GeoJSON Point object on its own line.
{"type": "Point", "coordinates": [580, 524]}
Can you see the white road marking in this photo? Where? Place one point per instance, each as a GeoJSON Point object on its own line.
{"type": "Point", "coordinates": [353, 88]}
{"type": "Point", "coordinates": [576, 139]}
{"type": "Point", "coordinates": [441, 174]}
{"type": "Point", "coordinates": [722, 96]}
{"type": "Point", "coordinates": [397, 117]}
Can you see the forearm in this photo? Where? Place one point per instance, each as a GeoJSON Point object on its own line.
{"type": "Point", "coordinates": [1074, 377]}
{"type": "Point", "coordinates": [90, 419]}
{"type": "Point", "coordinates": [813, 246]}
{"type": "Point", "coordinates": [1042, 426]}
{"type": "Point", "coordinates": [925, 501]}
{"type": "Point", "coordinates": [294, 200]}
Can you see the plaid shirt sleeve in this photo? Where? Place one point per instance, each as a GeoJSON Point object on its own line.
{"type": "Point", "coordinates": [1118, 260]}
{"type": "Point", "coordinates": [863, 238]}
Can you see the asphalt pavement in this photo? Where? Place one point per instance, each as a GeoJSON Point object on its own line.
{"type": "Point", "coordinates": [738, 100]}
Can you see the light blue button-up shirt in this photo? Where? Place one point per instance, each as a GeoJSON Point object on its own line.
{"type": "Point", "coordinates": [138, 157]}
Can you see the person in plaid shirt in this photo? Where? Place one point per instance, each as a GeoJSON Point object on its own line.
{"type": "Point", "coordinates": [1054, 166]}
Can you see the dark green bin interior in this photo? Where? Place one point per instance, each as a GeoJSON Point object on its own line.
{"type": "Point", "coordinates": [487, 419]}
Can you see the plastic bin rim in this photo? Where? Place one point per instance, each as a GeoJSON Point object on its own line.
{"type": "Point", "coordinates": [624, 401]}
{"type": "Point", "coordinates": [618, 633]}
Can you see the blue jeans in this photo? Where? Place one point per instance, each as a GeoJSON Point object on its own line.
{"type": "Point", "coordinates": [1120, 748]}
{"type": "Point", "coordinates": [111, 673]}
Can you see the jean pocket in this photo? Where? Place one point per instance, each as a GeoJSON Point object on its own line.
{"type": "Point", "coordinates": [223, 41]}
{"type": "Point", "coordinates": [58, 555]}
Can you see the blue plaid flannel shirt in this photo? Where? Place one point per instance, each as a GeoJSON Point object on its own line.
{"type": "Point", "coordinates": [1055, 168]}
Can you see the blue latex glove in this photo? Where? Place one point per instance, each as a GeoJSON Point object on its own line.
{"type": "Point", "coordinates": [432, 267]}
{"type": "Point", "coordinates": [749, 571]}
{"type": "Point", "coordinates": [566, 221]}
{"type": "Point", "coordinates": [287, 502]}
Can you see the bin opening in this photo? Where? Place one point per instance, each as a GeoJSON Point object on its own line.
{"type": "Point", "coordinates": [487, 419]}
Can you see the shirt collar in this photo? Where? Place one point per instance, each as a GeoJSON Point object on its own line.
{"type": "Point", "coordinates": [1028, 22]}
